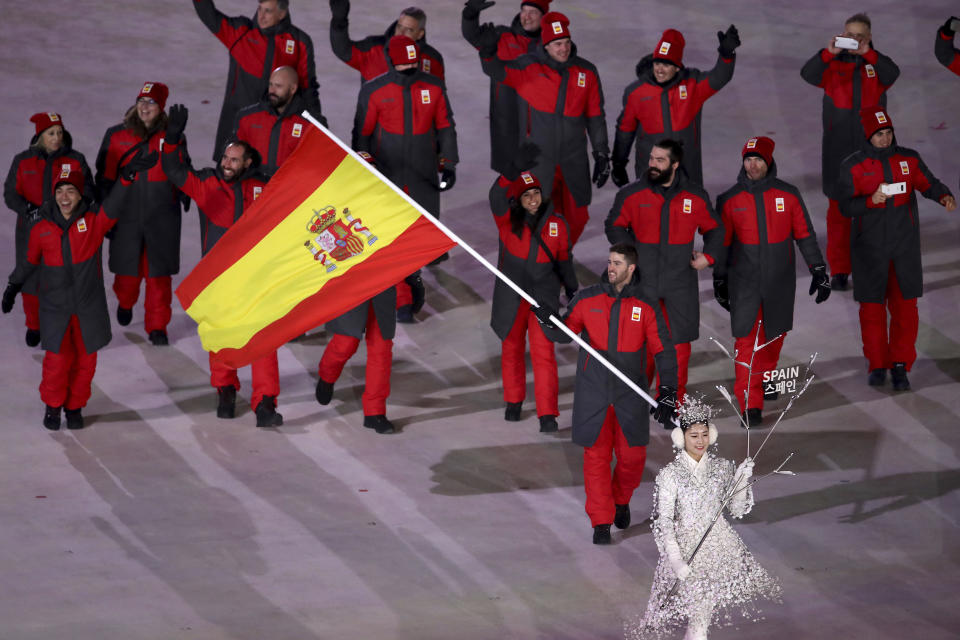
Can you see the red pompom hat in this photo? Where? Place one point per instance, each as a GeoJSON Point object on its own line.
{"type": "Point", "coordinates": [553, 26]}
{"type": "Point", "coordinates": [760, 146]}
{"type": "Point", "coordinates": [46, 120]}
{"type": "Point", "coordinates": [157, 91]}
{"type": "Point", "coordinates": [403, 50]}
{"type": "Point", "coordinates": [670, 47]}
{"type": "Point", "coordinates": [874, 119]}
{"type": "Point", "coordinates": [524, 182]}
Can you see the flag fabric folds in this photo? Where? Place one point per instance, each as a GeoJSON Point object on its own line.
{"type": "Point", "coordinates": [325, 235]}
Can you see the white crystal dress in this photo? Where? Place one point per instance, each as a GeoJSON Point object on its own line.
{"type": "Point", "coordinates": [726, 580]}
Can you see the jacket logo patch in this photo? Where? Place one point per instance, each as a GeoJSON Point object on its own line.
{"type": "Point", "coordinates": [334, 239]}
{"type": "Point", "coordinates": [871, 72]}
{"type": "Point", "coordinates": [81, 225]}
{"type": "Point", "coordinates": [635, 316]}
{"type": "Point", "coordinates": [752, 143]}
{"type": "Point", "coordinates": [297, 130]}
{"type": "Point", "coordinates": [683, 92]}
{"type": "Point", "coordinates": [687, 205]}
{"type": "Point", "coordinates": [557, 28]}
{"type": "Point", "coordinates": [581, 79]}
{"type": "Point", "coordinates": [426, 65]}
{"type": "Point", "coordinates": [904, 167]}
{"type": "Point", "coordinates": [664, 49]}
{"type": "Point", "coordinates": [425, 96]}
{"type": "Point", "coordinates": [780, 206]}
{"type": "Point", "coordinates": [147, 88]}
{"type": "Point", "coordinates": [256, 192]}
{"type": "Point", "coordinates": [554, 230]}
{"type": "Point", "coordinates": [881, 117]}
{"type": "Point", "coordinates": [291, 46]}
{"type": "Point", "coordinates": [65, 172]}
{"type": "Point", "coordinates": [411, 52]}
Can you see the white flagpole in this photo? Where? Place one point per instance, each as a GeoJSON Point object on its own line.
{"type": "Point", "coordinates": [450, 234]}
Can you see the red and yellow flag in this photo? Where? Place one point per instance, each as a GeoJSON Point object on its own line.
{"type": "Point", "coordinates": [325, 235]}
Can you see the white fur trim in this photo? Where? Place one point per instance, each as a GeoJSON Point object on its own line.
{"type": "Point", "coordinates": [676, 435]}
{"type": "Point", "coordinates": [713, 432]}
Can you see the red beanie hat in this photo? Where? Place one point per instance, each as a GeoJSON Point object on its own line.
{"type": "Point", "coordinates": [543, 5]}
{"type": "Point", "coordinates": [403, 50]}
{"type": "Point", "coordinates": [70, 172]}
{"type": "Point", "coordinates": [761, 146]}
{"type": "Point", "coordinates": [875, 118]}
{"type": "Point", "coordinates": [554, 26]}
{"type": "Point", "coordinates": [522, 184]}
{"type": "Point", "coordinates": [157, 91]}
{"type": "Point", "coordinates": [46, 120]}
{"type": "Point", "coordinates": [670, 47]}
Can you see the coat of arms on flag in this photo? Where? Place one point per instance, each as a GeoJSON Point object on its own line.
{"type": "Point", "coordinates": [334, 239]}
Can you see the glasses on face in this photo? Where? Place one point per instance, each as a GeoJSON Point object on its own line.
{"type": "Point", "coordinates": [146, 100]}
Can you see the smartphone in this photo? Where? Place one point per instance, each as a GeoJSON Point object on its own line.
{"type": "Point", "coordinates": [954, 24]}
{"type": "Point", "coordinates": [843, 42]}
{"type": "Point", "coordinates": [894, 189]}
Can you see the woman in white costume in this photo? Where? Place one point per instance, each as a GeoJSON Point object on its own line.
{"type": "Point", "coordinates": [723, 581]}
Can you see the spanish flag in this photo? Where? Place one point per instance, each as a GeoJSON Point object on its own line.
{"type": "Point", "coordinates": [327, 233]}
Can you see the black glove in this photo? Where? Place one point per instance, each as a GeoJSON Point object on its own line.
{"type": "Point", "coordinates": [820, 282]}
{"type": "Point", "coordinates": [601, 169]}
{"type": "Point", "coordinates": [340, 10]}
{"type": "Point", "coordinates": [448, 178]}
{"type": "Point", "coordinates": [417, 290]}
{"type": "Point", "coordinates": [32, 214]}
{"type": "Point", "coordinates": [176, 123]}
{"type": "Point", "coordinates": [729, 42]}
{"type": "Point", "coordinates": [140, 162]}
{"type": "Point", "coordinates": [619, 174]}
{"type": "Point", "coordinates": [185, 201]}
{"type": "Point", "coordinates": [570, 293]}
{"type": "Point", "coordinates": [527, 155]}
{"type": "Point", "coordinates": [945, 29]}
{"type": "Point", "coordinates": [543, 313]}
{"type": "Point", "coordinates": [472, 8]}
{"type": "Point", "coordinates": [721, 292]}
{"type": "Point", "coordinates": [666, 406]}
{"type": "Point", "coordinates": [10, 296]}
{"type": "Point", "coordinates": [489, 39]}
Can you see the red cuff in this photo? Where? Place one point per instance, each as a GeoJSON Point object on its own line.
{"type": "Point", "coordinates": [709, 258]}
{"type": "Point", "coordinates": [825, 55]}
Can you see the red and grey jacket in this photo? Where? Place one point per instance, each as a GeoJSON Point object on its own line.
{"type": "Point", "coordinates": [30, 183]}
{"type": "Point", "coordinates": [662, 223]}
{"type": "Point", "coordinates": [221, 203]}
{"type": "Point", "coordinates": [626, 329]}
{"type": "Point", "coordinates": [66, 257]}
{"type": "Point", "coordinates": [947, 54]}
{"type": "Point", "coordinates": [405, 122]}
{"type": "Point", "coordinates": [888, 232]}
{"type": "Point", "coordinates": [762, 219]}
{"type": "Point", "coordinates": [254, 54]}
{"type": "Point", "coordinates": [652, 111]}
{"type": "Point", "coordinates": [512, 42]}
{"type": "Point", "coordinates": [369, 56]}
{"type": "Point", "coordinates": [151, 219]}
{"type": "Point", "coordinates": [558, 103]}
{"type": "Point", "coordinates": [539, 267]}
{"type": "Point", "coordinates": [849, 82]}
{"type": "Point", "coordinates": [272, 134]}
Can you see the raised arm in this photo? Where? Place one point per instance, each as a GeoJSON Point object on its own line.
{"type": "Point", "coordinates": [227, 30]}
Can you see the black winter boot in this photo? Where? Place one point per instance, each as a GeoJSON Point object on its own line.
{"type": "Point", "coordinates": [405, 314]}
{"type": "Point", "coordinates": [324, 392]}
{"type": "Point", "coordinates": [226, 402]}
{"type": "Point", "coordinates": [74, 419]}
{"type": "Point", "coordinates": [753, 417]}
{"type": "Point", "coordinates": [622, 517]}
{"type": "Point", "coordinates": [32, 338]}
{"type": "Point", "coordinates": [548, 424]}
{"type": "Point", "coordinates": [378, 423]}
{"type": "Point", "coordinates": [266, 413]}
{"type": "Point", "coordinates": [51, 418]}
{"type": "Point", "coordinates": [124, 316]}
{"type": "Point", "coordinates": [898, 376]}
{"type": "Point", "coordinates": [159, 338]}
{"type": "Point", "coordinates": [512, 412]}
{"type": "Point", "coordinates": [601, 534]}
{"type": "Point", "coordinates": [877, 378]}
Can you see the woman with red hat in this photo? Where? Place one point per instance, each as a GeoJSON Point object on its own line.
{"type": "Point", "coordinates": [29, 185]}
{"type": "Point", "coordinates": [64, 254]}
{"type": "Point", "coordinates": [536, 252]}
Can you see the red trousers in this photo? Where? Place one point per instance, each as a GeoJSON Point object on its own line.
{"type": "Point", "coordinates": [156, 304]}
{"type": "Point", "coordinates": [379, 362]}
{"type": "Point", "coordinates": [265, 373]}
{"type": "Point", "coordinates": [67, 375]}
{"type": "Point", "coordinates": [513, 366]}
{"type": "Point", "coordinates": [763, 360]}
{"type": "Point", "coordinates": [564, 204]}
{"type": "Point", "coordinates": [404, 294]}
{"type": "Point", "coordinates": [838, 239]}
{"type": "Point", "coordinates": [31, 310]}
{"type": "Point", "coordinates": [683, 362]}
{"type": "Point", "coordinates": [605, 490]}
{"type": "Point", "coordinates": [880, 347]}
